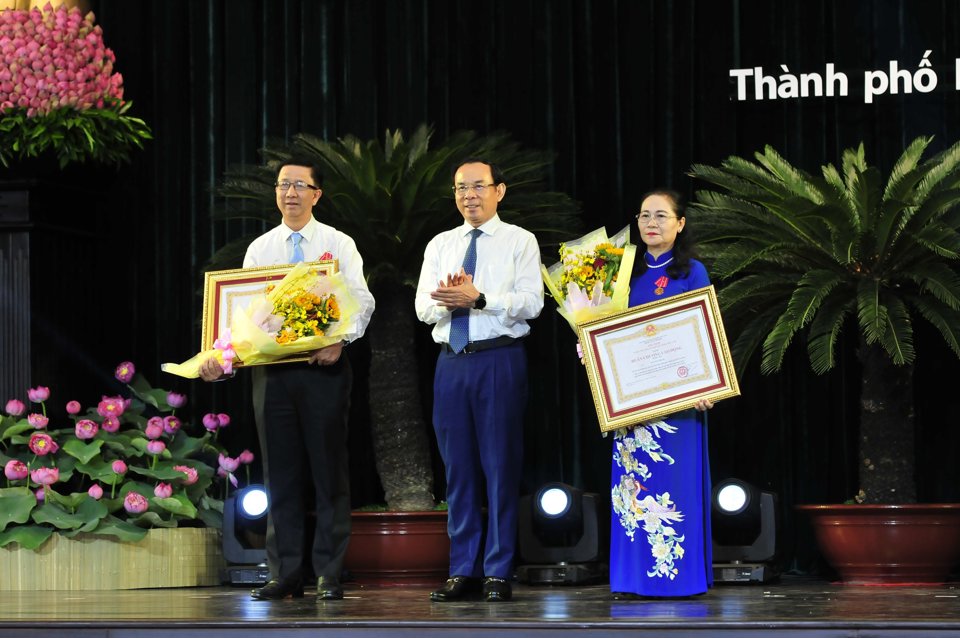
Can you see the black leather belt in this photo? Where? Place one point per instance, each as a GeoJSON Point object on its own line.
{"type": "Point", "coordinates": [485, 344]}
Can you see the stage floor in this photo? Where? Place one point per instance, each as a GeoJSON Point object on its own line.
{"type": "Point", "coordinates": [788, 609]}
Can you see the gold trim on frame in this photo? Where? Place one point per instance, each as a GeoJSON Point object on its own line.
{"type": "Point", "coordinates": [631, 384]}
{"type": "Point", "coordinates": [228, 291]}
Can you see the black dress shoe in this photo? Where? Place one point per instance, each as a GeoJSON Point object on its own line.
{"type": "Point", "coordinates": [496, 589]}
{"type": "Point", "coordinates": [456, 588]}
{"type": "Point", "coordinates": [328, 588]}
{"type": "Point", "coordinates": [278, 589]}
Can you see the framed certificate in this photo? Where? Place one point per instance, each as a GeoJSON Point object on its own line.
{"type": "Point", "coordinates": [226, 292]}
{"type": "Point", "coordinates": [658, 358]}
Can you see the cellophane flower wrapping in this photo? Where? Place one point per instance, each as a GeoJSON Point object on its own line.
{"type": "Point", "coordinates": [586, 282]}
{"type": "Point", "coordinates": [303, 312]}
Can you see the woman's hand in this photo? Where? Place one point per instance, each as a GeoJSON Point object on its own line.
{"type": "Point", "coordinates": [703, 405]}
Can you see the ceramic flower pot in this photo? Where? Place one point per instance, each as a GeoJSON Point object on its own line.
{"type": "Point", "coordinates": [398, 548]}
{"type": "Point", "coordinates": [888, 544]}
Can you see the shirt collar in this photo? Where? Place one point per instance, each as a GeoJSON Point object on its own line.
{"type": "Point", "coordinates": [651, 261]}
{"type": "Point", "coordinates": [489, 227]}
{"type": "Point", "coordinates": [306, 232]}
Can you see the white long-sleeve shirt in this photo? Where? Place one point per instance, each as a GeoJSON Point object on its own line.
{"type": "Point", "coordinates": [507, 273]}
{"type": "Point", "coordinates": [275, 248]}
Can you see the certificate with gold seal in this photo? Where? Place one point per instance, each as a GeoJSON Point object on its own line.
{"type": "Point", "coordinates": [657, 358]}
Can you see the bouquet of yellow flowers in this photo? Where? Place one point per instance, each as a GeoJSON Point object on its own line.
{"type": "Point", "coordinates": [304, 311]}
{"type": "Point", "coordinates": [586, 282]}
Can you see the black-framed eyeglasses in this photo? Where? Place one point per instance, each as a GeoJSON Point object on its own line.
{"type": "Point", "coordinates": [461, 190]}
{"type": "Point", "coordinates": [284, 185]}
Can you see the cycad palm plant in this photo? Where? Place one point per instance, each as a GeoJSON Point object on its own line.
{"type": "Point", "coordinates": [392, 198]}
{"type": "Point", "coordinates": [813, 255]}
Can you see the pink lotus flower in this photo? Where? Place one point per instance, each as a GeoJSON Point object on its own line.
{"type": "Point", "coordinates": [110, 424]}
{"type": "Point", "coordinates": [210, 421]}
{"type": "Point", "coordinates": [125, 372]}
{"type": "Point", "coordinates": [154, 429]}
{"type": "Point", "coordinates": [171, 424]}
{"type": "Point", "coordinates": [15, 470]}
{"type": "Point", "coordinates": [41, 444]}
{"type": "Point", "coordinates": [86, 429]}
{"type": "Point", "coordinates": [246, 457]}
{"type": "Point", "coordinates": [227, 475]}
{"type": "Point", "coordinates": [15, 407]}
{"type": "Point", "coordinates": [156, 447]}
{"type": "Point", "coordinates": [175, 400]}
{"type": "Point", "coordinates": [38, 421]}
{"type": "Point", "coordinates": [45, 475]}
{"type": "Point", "coordinates": [111, 406]}
{"type": "Point", "coordinates": [224, 419]}
{"type": "Point", "coordinates": [38, 394]}
{"type": "Point", "coordinates": [135, 503]}
{"type": "Point", "coordinates": [73, 407]}
{"type": "Point", "coordinates": [228, 464]}
{"type": "Point", "coordinates": [191, 474]}
{"type": "Point", "coordinates": [41, 495]}
{"type": "Point", "coordinates": [119, 467]}
{"type": "Point", "coordinates": [95, 492]}
{"type": "Point", "coordinates": [163, 490]}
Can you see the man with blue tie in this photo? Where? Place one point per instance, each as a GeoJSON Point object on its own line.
{"type": "Point", "coordinates": [301, 408]}
{"type": "Point", "coordinates": [479, 284]}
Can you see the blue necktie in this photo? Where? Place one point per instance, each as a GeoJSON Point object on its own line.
{"type": "Point", "coordinates": [297, 249]}
{"type": "Point", "coordinates": [460, 323]}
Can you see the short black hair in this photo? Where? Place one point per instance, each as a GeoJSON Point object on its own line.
{"type": "Point", "coordinates": [495, 171]}
{"type": "Point", "coordinates": [315, 172]}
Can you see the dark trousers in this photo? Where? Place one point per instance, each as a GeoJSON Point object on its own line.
{"type": "Point", "coordinates": [301, 414]}
{"type": "Point", "coordinates": [479, 401]}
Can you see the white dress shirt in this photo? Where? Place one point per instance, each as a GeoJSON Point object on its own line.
{"type": "Point", "coordinates": [507, 273]}
{"type": "Point", "coordinates": [275, 248]}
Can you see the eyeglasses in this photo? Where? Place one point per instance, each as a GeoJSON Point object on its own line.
{"type": "Point", "coordinates": [659, 218]}
{"type": "Point", "coordinates": [463, 189]}
{"type": "Point", "coordinates": [284, 185]}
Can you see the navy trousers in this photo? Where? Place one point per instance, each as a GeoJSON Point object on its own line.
{"type": "Point", "coordinates": [479, 401]}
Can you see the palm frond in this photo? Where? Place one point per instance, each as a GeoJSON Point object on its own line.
{"type": "Point", "coordinates": [804, 303]}
{"type": "Point", "coordinates": [825, 331]}
{"type": "Point", "coordinates": [897, 337]}
{"type": "Point", "coordinates": [871, 313]}
{"type": "Point", "coordinates": [904, 176]}
{"type": "Point", "coordinates": [944, 318]}
{"type": "Point", "coordinates": [796, 181]}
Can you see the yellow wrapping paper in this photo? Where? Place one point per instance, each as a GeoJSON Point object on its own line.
{"type": "Point", "coordinates": [574, 304]}
{"type": "Point", "coordinates": [254, 345]}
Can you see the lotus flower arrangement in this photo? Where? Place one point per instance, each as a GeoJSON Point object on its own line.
{"type": "Point", "coordinates": [125, 465]}
{"type": "Point", "coordinates": [58, 90]}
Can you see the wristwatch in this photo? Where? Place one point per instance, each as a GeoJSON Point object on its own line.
{"type": "Point", "coordinates": [481, 302]}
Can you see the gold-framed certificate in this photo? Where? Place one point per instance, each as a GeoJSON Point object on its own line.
{"type": "Point", "coordinates": [657, 358]}
{"type": "Point", "coordinates": [227, 293]}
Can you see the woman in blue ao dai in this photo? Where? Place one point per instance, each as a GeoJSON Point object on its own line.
{"type": "Point", "coordinates": [660, 533]}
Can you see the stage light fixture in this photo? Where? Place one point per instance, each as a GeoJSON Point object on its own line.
{"type": "Point", "coordinates": [560, 537]}
{"type": "Point", "coordinates": [244, 537]}
{"type": "Point", "coordinates": [744, 533]}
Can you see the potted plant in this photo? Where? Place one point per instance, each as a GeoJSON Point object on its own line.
{"type": "Point", "coordinates": [392, 196]}
{"type": "Point", "coordinates": [817, 254]}
{"type": "Point", "coordinates": [111, 472]}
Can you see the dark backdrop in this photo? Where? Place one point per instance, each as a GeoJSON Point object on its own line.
{"type": "Point", "coordinates": [627, 94]}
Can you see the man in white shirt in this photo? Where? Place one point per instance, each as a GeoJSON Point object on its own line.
{"type": "Point", "coordinates": [479, 284]}
{"type": "Point", "coordinates": [301, 408]}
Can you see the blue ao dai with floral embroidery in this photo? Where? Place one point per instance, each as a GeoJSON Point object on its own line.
{"type": "Point", "coordinates": [660, 481]}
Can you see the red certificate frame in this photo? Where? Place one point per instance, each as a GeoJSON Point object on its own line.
{"type": "Point", "coordinates": [228, 291]}
{"type": "Point", "coordinates": [658, 358]}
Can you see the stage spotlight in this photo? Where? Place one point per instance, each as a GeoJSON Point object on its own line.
{"type": "Point", "coordinates": [244, 537]}
{"type": "Point", "coordinates": [744, 533]}
{"type": "Point", "coordinates": [560, 537]}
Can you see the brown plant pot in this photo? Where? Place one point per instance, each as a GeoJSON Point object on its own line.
{"type": "Point", "coordinates": [888, 544]}
{"type": "Point", "coordinates": [398, 548]}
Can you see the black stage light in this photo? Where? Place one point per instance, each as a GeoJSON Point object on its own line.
{"type": "Point", "coordinates": [244, 537]}
{"type": "Point", "coordinates": [744, 533]}
{"type": "Point", "coordinates": [560, 537]}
